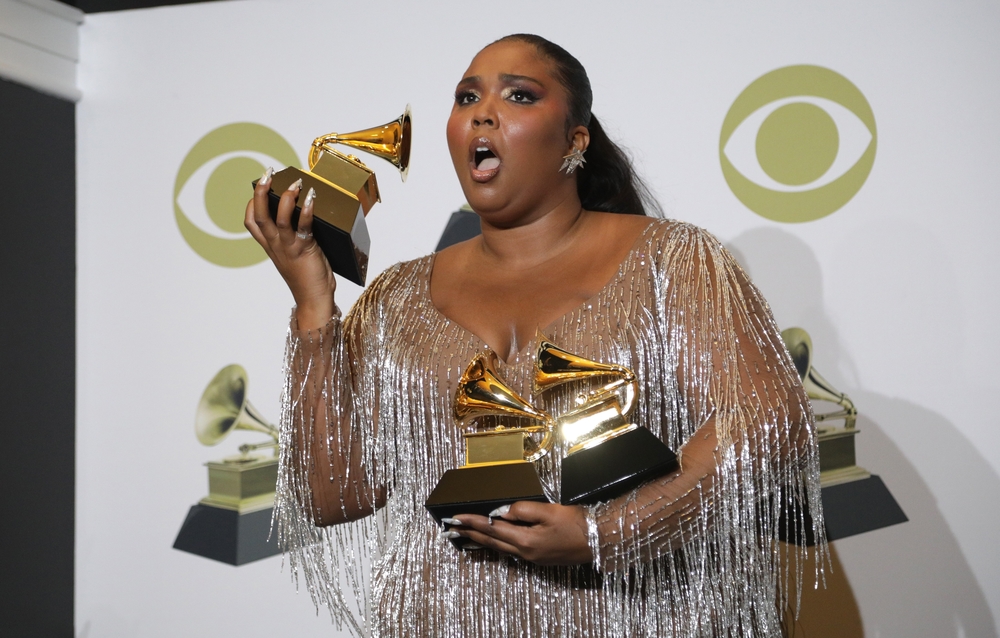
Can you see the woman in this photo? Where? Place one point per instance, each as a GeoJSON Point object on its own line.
{"type": "Point", "coordinates": [566, 249]}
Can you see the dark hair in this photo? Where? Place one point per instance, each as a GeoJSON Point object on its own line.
{"type": "Point", "coordinates": [607, 182]}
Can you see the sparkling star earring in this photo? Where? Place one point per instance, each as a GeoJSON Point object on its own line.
{"type": "Point", "coordinates": [572, 161]}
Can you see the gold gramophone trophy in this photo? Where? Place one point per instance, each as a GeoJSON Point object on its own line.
{"type": "Point", "coordinates": [346, 190]}
{"type": "Point", "coordinates": [607, 454]}
{"type": "Point", "coordinates": [498, 466]}
{"type": "Point", "coordinates": [233, 522]}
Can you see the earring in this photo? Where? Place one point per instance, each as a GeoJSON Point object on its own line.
{"type": "Point", "coordinates": [572, 161]}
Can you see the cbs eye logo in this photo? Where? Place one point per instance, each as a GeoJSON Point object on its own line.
{"type": "Point", "coordinates": [213, 186]}
{"type": "Point", "coordinates": [798, 143]}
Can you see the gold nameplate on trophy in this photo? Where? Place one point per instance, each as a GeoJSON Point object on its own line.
{"type": "Point", "coordinates": [498, 466]}
{"type": "Point", "coordinates": [607, 454]}
{"type": "Point", "coordinates": [499, 446]}
{"type": "Point", "coordinates": [243, 484]}
{"type": "Point", "coordinates": [346, 189]}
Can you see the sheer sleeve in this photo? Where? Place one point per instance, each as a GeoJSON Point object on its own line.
{"type": "Point", "coordinates": [328, 436]}
{"type": "Point", "coordinates": [744, 417]}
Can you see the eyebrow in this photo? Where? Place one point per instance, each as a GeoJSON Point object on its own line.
{"type": "Point", "coordinates": [504, 77]}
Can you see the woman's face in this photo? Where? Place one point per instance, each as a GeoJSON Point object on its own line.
{"type": "Point", "coordinates": [507, 134]}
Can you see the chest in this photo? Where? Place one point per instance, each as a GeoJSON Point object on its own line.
{"type": "Point", "coordinates": [507, 308]}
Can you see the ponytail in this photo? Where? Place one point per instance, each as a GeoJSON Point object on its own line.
{"type": "Point", "coordinates": [608, 182]}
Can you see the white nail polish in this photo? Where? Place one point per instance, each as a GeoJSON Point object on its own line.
{"type": "Point", "coordinates": [450, 535]}
{"type": "Point", "coordinates": [500, 511]}
{"type": "Point", "coordinates": [310, 196]}
{"type": "Point", "coordinates": [297, 185]}
{"type": "Point", "coordinates": [452, 521]}
{"type": "Point", "coordinates": [266, 178]}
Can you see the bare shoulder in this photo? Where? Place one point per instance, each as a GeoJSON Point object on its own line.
{"type": "Point", "coordinates": [456, 254]}
{"type": "Point", "coordinates": [624, 230]}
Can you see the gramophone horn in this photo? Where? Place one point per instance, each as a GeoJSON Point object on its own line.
{"type": "Point", "coordinates": [554, 366]}
{"type": "Point", "coordinates": [482, 393]}
{"type": "Point", "coordinates": [391, 142]}
{"type": "Point", "coordinates": [224, 407]}
{"type": "Point", "coordinates": [800, 346]}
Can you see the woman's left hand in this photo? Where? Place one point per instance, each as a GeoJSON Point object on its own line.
{"type": "Point", "coordinates": [543, 533]}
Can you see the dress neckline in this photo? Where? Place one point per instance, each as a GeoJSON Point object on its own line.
{"type": "Point", "coordinates": [640, 242]}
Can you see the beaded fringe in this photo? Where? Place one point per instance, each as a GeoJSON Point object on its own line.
{"type": "Point", "coordinates": [378, 387]}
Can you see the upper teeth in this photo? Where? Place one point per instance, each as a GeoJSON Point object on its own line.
{"type": "Point", "coordinates": [482, 148]}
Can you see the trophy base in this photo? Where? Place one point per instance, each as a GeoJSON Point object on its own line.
{"type": "Point", "coordinates": [339, 226]}
{"type": "Point", "coordinates": [614, 467]}
{"type": "Point", "coordinates": [226, 535]}
{"type": "Point", "coordinates": [480, 489]}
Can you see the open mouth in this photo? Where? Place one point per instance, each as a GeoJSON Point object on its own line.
{"type": "Point", "coordinates": [485, 159]}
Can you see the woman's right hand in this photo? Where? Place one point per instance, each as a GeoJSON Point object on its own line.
{"type": "Point", "coordinates": [296, 255]}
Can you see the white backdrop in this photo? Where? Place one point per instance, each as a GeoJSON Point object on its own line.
{"type": "Point", "coordinates": [898, 288]}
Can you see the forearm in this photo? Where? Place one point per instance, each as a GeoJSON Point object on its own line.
{"type": "Point", "coordinates": [325, 430]}
{"type": "Point", "coordinates": [665, 514]}
{"type": "Point", "coordinates": [661, 515]}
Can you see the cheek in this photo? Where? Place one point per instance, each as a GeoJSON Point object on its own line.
{"type": "Point", "coordinates": [544, 135]}
{"type": "Point", "coordinates": [456, 139]}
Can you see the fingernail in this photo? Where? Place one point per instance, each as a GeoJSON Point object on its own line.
{"type": "Point", "coordinates": [266, 179]}
{"type": "Point", "coordinates": [450, 535]}
{"type": "Point", "coordinates": [452, 521]}
{"type": "Point", "coordinates": [297, 185]}
{"type": "Point", "coordinates": [310, 196]}
{"type": "Point", "coordinates": [500, 511]}
{"type": "Point", "coordinates": [472, 546]}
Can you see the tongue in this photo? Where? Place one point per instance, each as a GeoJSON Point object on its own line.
{"type": "Point", "coordinates": [489, 164]}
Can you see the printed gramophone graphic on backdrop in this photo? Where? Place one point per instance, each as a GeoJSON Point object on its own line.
{"type": "Point", "coordinates": [346, 189]}
{"type": "Point", "coordinates": [854, 500]}
{"type": "Point", "coordinates": [606, 454]}
{"type": "Point", "coordinates": [233, 522]}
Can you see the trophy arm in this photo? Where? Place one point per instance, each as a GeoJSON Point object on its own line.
{"type": "Point", "coordinates": [627, 386]}
{"type": "Point", "coordinates": [535, 452]}
{"type": "Point", "coordinates": [319, 145]}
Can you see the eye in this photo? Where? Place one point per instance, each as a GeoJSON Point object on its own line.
{"type": "Point", "coordinates": [798, 143]}
{"type": "Point", "coordinates": [520, 96]}
{"type": "Point", "coordinates": [465, 97]}
{"type": "Point", "coordinates": [213, 185]}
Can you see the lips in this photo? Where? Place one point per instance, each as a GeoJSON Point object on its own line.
{"type": "Point", "coordinates": [483, 159]}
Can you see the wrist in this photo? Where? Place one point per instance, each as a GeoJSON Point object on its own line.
{"type": "Point", "coordinates": [314, 314]}
{"type": "Point", "coordinates": [593, 536]}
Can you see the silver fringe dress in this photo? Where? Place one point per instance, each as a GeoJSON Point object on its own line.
{"type": "Point", "coordinates": [368, 405]}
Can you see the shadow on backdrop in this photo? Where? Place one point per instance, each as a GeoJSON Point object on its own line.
{"type": "Point", "coordinates": [907, 580]}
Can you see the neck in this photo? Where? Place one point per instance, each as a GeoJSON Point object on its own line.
{"type": "Point", "coordinates": [534, 239]}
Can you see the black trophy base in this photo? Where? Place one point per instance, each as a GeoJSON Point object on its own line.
{"type": "Point", "coordinates": [614, 467]}
{"type": "Point", "coordinates": [226, 535]}
{"type": "Point", "coordinates": [483, 488]}
{"type": "Point", "coordinates": [346, 243]}
{"type": "Point", "coordinates": [849, 508]}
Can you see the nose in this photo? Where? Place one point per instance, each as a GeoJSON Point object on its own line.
{"type": "Point", "coordinates": [484, 113]}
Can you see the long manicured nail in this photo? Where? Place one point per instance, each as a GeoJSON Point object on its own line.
{"type": "Point", "coordinates": [472, 546]}
{"type": "Point", "coordinates": [310, 196]}
{"type": "Point", "coordinates": [265, 180]}
{"type": "Point", "coordinates": [450, 535]}
{"type": "Point", "coordinates": [500, 511]}
{"type": "Point", "coordinates": [452, 521]}
{"type": "Point", "coordinates": [296, 185]}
